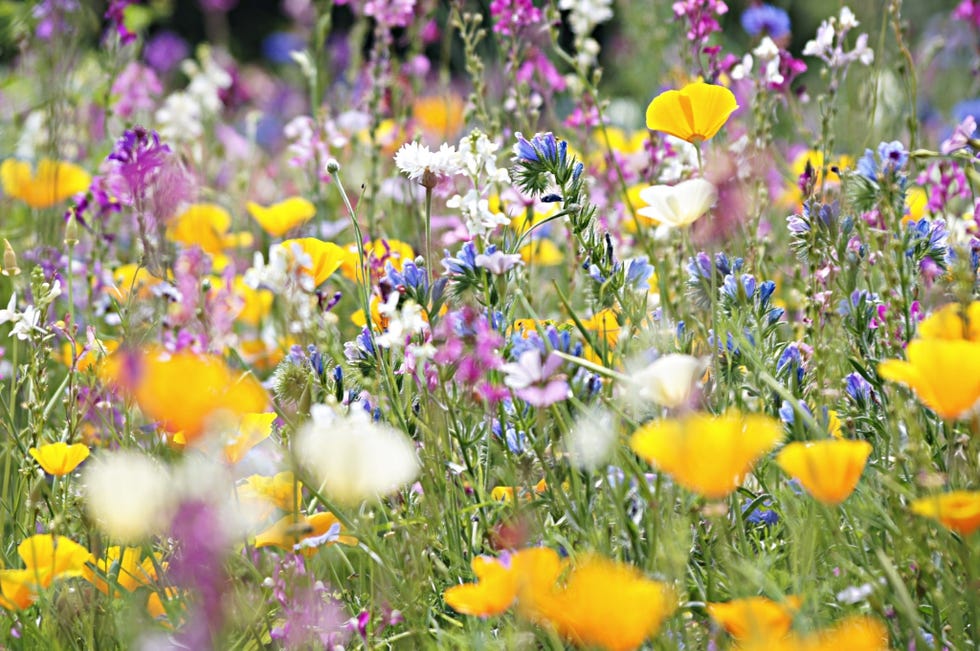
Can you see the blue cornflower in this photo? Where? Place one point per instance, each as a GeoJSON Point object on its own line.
{"type": "Point", "coordinates": [766, 19]}
{"type": "Point", "coordinates": [638, 272]}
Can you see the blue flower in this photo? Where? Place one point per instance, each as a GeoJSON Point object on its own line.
{"type": "Point", "coordinates": [638, 272]}
{"type": "Point", "coordinates": [761, 514]}
{"type": "Point", "coordinates": [766, 19]}
{"type": "Point", "coordinates": [858, 388]}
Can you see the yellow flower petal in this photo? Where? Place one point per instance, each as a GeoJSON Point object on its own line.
{"type": "Point", "coordinates": [60, 458]}
{"type": "Point", "coordinates": [956, 510]}
{"type": "Point", "coordinates": [202, 224]}
{"type": "Point", "coordinates": [50, 184]}
{"type": "Point", "coordinates": [709, 455]}
{"type": "Point", "coordinates": [943, 373]}
{"type": "Point", "coordinates": [253, 429]}
{"type": "Point", "coordinates": [755, 616]}
{"type": "Point", "coordinates": [542, 252]}
{"type": "Point", "coordinates": [524, 576]}
{"type": "Point", "coordinates": [948, 322]}
{"type": "Point", "coordinates": [322, 258]}
{"type": "Point", "coordinates": [51, 557]}
{"type": "Point", "coordinates": [828, 470]}
{"type": "Point", "coordinates": [694, 113]}
{"type": "Point", "coordinates": [280, 218]}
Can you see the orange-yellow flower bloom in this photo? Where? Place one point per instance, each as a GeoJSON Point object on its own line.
{"type": "Point", "coordinates": [252, 430]}
{"type": "Point", "coordinates": [948, 322]}
{"type": "Point", "coordinates": [280, 490]}
{"type": "Point", "coordinates": [542, 252]}
{"type": "Point", "coordinates": [857, 633]}
{"type": "Point", "coordinates": [522, 576]}
{"type": "Point", "coordinates": [607, 605]}
{"type": "Point", "coordinates": [694, 113]}
{"type": "Point", "coordinates": [50, 184]}
{"type": "Point", "coordinates": [943, 373]}
{"type": "Point", "coordinates": [439, 115]}
{"type": "Point", "coordinates": [383, 250]}
{"type": "Point", "coordinates": [203, 224]}
{"type": "Point", "coordinates": [183, 391]}
{"type": "Point", "coordinates": [122, 567]}
{"type": "Point", "coordinates": [754, 617]}
{"type": "Point", "coordinates": [46, 557]}
{"type": "Point", "coordinates": [829, 470]}
{"type": "Point", "coordinates": [60, 458]}
{"type": "Point", "coordinates": [322, 259]}
{"type": "Point", "coordinates": [709, 455]}
{"type": "Point", "coordinates": [956, 510]}
{"type": "Point", "coordinates": [294, 530]}
{"type": "Point", "coordinates": [280, 218]}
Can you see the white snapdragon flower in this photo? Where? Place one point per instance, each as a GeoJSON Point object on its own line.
{"type": "Point", "coordinates": [477, 216]}
{"type": "Point", "coordinates": [180, 117]}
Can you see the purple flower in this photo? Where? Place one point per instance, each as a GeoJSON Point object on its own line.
{"type": "Point", "coordinates": [532, 379]}
{"type": "Point", "coordinates": [116, 15]}
{"type": "Point", "coordinates": [512, 16]}
{"type": "Point", "coordinates": [136, 87]}
{"type": "Point", "coordinates": [51, 17]}
{"type": "Point", "coordinates": [165, 51]}
{"type": "Point", "coordinates": [766, 20]}
{"type": "Point", "coordinates": [143, 172]}
{"type": "Point", "coordinates": [497, 262]}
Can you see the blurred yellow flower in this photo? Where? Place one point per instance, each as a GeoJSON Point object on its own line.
{"type": "Point", "coordinates": [605, 324]}
{"type": "Point", "coordinates": [755, 616]}
{"type": "Point", "coordinates": [916, 201]}
{"type": "Point", "coordinates": [952, 322]}
{"type": "Point", "coordinates": [542, 252]}
{"type": "Point", "coordinates": [694, 113]}
{"type": "Point", "coordinates": [203, 224]}
{"type": "Point", "coordinates": [707, 454]}
{"type": "Point", "coordinates": [382, 250]}
{"type": "Point", "coordinates": [280, 490]}
{"type": "Point", "coordinates": [292, 530]}
{"type": "Point", "coordinates": [856, 633]}
{"type": "Point", "coordinates": [46, 557]}
{"type": "Point", "coordinates": [85, 359]}
{"type": "Point", "coordinates": [60, 458]}
{"type": "Point", "coordinates": [607, 605]}
{"type": "Point", "coordinates": [252, 430]}
{"type": "Point", "coordinates": [943, 373]}
{"type": "Point", "coordinates": [956, 510]}
{"type": "Point", "coordinates": [52, 182]}
{"type": "Point", "coordinates": [131, 278]}
{"type": "Point", "coordinates": [182, 391]}
{"type": "Point", "coordinates": [440, 116]}
{"type": "Point", "coordinates": [792, 196]}
{"type": "Point", "coordinates": [829, 470]}
{"type": "Point", "coordinates": [280, 218]}
{"type": "Point", "coordinates": [521, 576]}
{"type": "Point", "coordinates": [319, 259]}
{"type": "Point", "coordinates": [122, 566]}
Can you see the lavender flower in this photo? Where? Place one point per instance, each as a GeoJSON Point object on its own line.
{"type": "Point", "coordinates": [767, 20]}
{"type": "Point", "coordinates": [534, 380]}
{"type": "Point", "coordinates": [165, 51]}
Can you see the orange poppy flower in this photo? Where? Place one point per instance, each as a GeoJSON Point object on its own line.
{"type": "Point", "coordinates": [755, 616]}
{"type": "Point", "coordinates": [829, 470]}
{"type": "Point", "coordinates": [59, 458]}
{"type": "Point", "coordinates": [280, 218]}
{"type": "Point", "coordinates": [521, 576]}
{"type": "Point", "coordinates": [943, 373]}
{"type": "Point", "coordinates": [52, 182]}
{"type": "Point", "coordinates": [956, 510]}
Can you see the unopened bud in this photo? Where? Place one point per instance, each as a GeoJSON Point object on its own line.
{"type": "Point", "coordinates": [71, 231]}
{"type": "Point", "coordinates": [333, 166]}
{"type": "Point", "coordinates": [10, 267]}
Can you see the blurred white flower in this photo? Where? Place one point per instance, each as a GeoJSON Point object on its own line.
{"type": "Point", "coordinates": [129, 495]}
{"type": "Point", "coordinates": [354, 458]}
{"type": "Point", "coordinates": [669, 380]}
{"type": "Point", "coordinates": [590, 442]}
{"type": "Point", "coordinates": [678, 205]}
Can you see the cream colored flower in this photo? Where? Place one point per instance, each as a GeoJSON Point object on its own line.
{"type": "Point", "coordinates": [354, 458]}
{"type": "Point", "coordinates": [129, 495]}
{"type": "Point", "coordinates": [678, 205]}
{"type": "Point", "coordinates": [669, 380]}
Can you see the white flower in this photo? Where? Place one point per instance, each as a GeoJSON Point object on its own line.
{"type": "Point", "coordinates": [129, 495]}
{"type": "Point", "coordinates": [591, 440]}
{"type": "Point", "coordinates": [823, 43]}
{"type": "Point", "coordinates": [402, 324]}
{"type": "Point", "coordinates": [180, 118]}
{"type": "Point", "coordinates": [766, 50]}
{"type": "Point", "coordinates": [678, 205]}
{"type": "Point", "coordinates": [855, 593]}
{"type": "Point", "coordinates": [26, 323]}
{"type": "Point", "coordinates": [847, 19]}
{"type": "Point", "coordinates": [354, 458]}
{"type": "Point", "coordinates": [477, 216]}
{"type": "Point", "coordinates": [743, 69]}
{"type": "Point", "coordinates": [10, 312]}
{"type": "Point", "coordinates": [416, 161]}
{"type": "Point", "coordinates": [669, 380]}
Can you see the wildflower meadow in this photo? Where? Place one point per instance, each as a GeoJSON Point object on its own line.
{"type": "Point", "coordinates": [520, 324]}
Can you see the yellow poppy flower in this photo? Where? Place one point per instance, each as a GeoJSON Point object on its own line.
{"type": "Point", "coordinates": [605, 324]}
{"type": "Point", "coordinates": [50, 184]}
{"type": "Point", "coordinates": [202, 224]}
{"type": "Point", "coordinates": [293, 529]}
{"type": "Point", "coordinates": [943, 373]}
{"type": "Point", "coordinates": [280, 218]}
{"type": "Point", "coordinates": [155, 607]}
{"type": "Point", "coordinates": [542, 252]}
{"type": "Point", "coordinates": [252, 430]}
{"type": "Point", "coordinates": [182, 391]}
{"type": "Point", "coordinates": [956, 510]}
{"type": "Point", "coordinates": [322, 259]}
{"type": "Point", "coordinates": [948, 322]}
{"type": "Point", "coordinates": [123, 567]}
{"type": "Point", "coordinates": [60, 458]}
{"type": "Point", "coordinates": [829, 470]}
{"type": "Point", "coordinates": [131, 278]}
{"type": "Point", "coordinates": [440, 116]}
{"type": "Point", "coordinates": [522, 576]}
{"type": "Point", "coordinates": [17, 589]}
{"type": "Point", "coordinates": [606, 605]}
{"type": "Point", "coordinates": [709, 455]}
{"type": "Point", "coordinates": [86, 359]}
{"type": "Point", "coordinates": [857, 633]}
{"type": "Point", "coordinates": [385, 251]}
{"type": "Point", "coordinates": [916, 201]}
{"type": "Point", "coordinates": [755, 616]}
{"type": "Point", "coordinates": [792, 196]}
{"type": "Point", "coordinates": [694, 113]}
{"type": "Point", "coordinates": [280, 490]}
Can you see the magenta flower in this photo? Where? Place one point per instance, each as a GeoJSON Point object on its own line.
{"type": "Point", "coordinates": [533, 379]}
